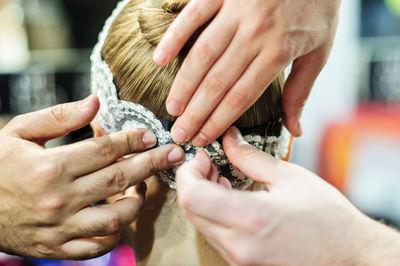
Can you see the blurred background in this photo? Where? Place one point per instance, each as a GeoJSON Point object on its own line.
{"type": "Point", "coordinates": [351, 122]}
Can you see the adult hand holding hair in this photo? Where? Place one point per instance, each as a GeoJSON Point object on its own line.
{"type": "Point", "coordinates": [243, 48]}
{"type": "Point", "coordinates": [300, 220]}
{"type": "Point", "coordinates": [46, 193]}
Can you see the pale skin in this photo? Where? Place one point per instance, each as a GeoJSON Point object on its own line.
{"type": "Point", "coordinates": [300, 220]}
{"type": "Point", "coordinates": [46, 192]}
{"type": "Point", "coordinates": [161, 234]}
{"type": "Point", "coordinates": [245, 46]}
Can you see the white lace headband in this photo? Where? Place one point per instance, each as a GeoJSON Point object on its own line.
{"type": "Point", "coordinates": [116, 115]}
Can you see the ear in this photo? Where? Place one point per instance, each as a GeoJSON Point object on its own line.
{"type": "Point", "coordinates": [98, 131]}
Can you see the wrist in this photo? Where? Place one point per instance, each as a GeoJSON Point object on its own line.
{"type": "Point", "coordinates": [378, 245]}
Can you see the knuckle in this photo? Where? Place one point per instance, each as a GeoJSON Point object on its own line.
{"type": "Point", "coordinates": [16, 120]}
{"type": "Point", "coordinates": [117, 178]}
{"type": "Point", "coordinates": [175, 35]}
{"type": "Point", "coordinates": [281, 53]}
{"type": "Point", "coordinates": [237, 100]}
{"type": "Point", "coordinates": [133, 141]}
{"type": "Point", "coordinates": [44, 251]}
{"type": "Point", "coordinates": [191, 118]}
{"type": "Point", "coordinates": [151, 163]}
{"type": "Point", "coordinates": [243, 258]}
{"type": "Point", "coordinates": [113, 226]}
{"type": "Point", "coordinates": [258, 221]}
{"type": "Point", "coordinates": [100, 250]}
{"type": "Point", "coordinates": [204, 53]}
{"type": "Point", "coordinates": [59, 112]}
{"type": "Point", "coordinates": [51, 207]}
{"type": "Point", "coordinates": [294, 103]}
{"type": "Point", "coordinates": [193, 11]}
{"type": "Point", "coordinates": [94, 253]}
{"type": "Point", "coordinates": [257, 28]}
{"type": "Point", "coordinates": [185, 198]}
{"type": "Point", "coordinates": [215, 85]}
{"type": "Point", "coordinates": [47, 173]}
{"type": "Point", "coordinates": [214, 128]}
{"type": "Point", "coordinates": [107, 150]}
{"type": "Point", "coordinates": [17, 123]}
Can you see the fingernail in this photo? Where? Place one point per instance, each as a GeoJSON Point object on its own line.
{"type": "Point", "coordinates": [235, 134]}
{"type": "Point", "coordinates": [200, 140]}
{"type": "Point", "coordinates": [176, 156]}
{"type": "Point", "coordinates": [224, 182]}
{"type": "Point", "coordinates": [202, 156]}
{"type": "Point", "coordinates": [174, 108]}
{"type": "Point", "coordinates": [149, 139]}
{"type": "Point", "coordinates": [178, 135]}
{"type": "Point", "coordinates": [159, 57]}
{"type": "Point", "coordinates": [299, 129]}
{"type": "Point", "coordinates": [85, 103]}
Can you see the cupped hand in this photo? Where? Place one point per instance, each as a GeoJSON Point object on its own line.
{"type": "Point", "coordinates": [46, 193]}
{"type": "Point", "coordinates": [245, 46]}
{"type": "Point", "coordinates": [300, 220]}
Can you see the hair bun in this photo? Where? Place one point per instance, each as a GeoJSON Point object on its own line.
{"type": "Point", "coordinates": [155, 17]}
{"type": "Point", "coordinates": [173, 6]}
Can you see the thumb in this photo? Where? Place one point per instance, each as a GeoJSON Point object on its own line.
{"type": "Point", "coordinates": [200, 168]}
{"type": "Point", "coordinates": [55, 121]}
{"type": "Point", "coordinates": [297, 88]}
{"type": "Point", "coordinates": [255, 164]}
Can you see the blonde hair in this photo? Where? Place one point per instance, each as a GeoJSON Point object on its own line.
{"type": "Point", "coordinates": [128, 51]}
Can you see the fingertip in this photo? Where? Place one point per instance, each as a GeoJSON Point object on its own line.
{"type": "Point", "coordinates": [200, 140]}
{"type": "Point", "coordinates": [234, 133]}
{"type": "Point", "coordinates": [178, 134]}
{"type": "Point", "coordinates": [202, 157]}
{"type": "Point", "coordinates": [223, 181]}
{"type": "Point", "coordinates": [176, 156]}
{"type": "Point", "coordinates": [89, 102]}
{"type": "Point", "coordinates": [149, 139]}
{"type": "Point", "coordinates": [160, 56]}
{"type": "Point", "coordinates": [213, 174]}
{"type": "Point", "coordinates": [294, 127]}
{"type": "Point", "coordinates": [232, 137]}
{"type": "Point", "coordinates": [89, 106]}
{"type": "Point", "coordinates": [174, 108]}
{"type": "Point", "coordinates": [299, 129]}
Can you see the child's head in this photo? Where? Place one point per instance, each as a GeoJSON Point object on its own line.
{"type": "Point", "coordinates": [128, 51]}
{"type": "Point", "coordinates": [132, 90]}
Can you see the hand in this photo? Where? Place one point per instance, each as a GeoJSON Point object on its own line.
{"type": "Point", "coordinates": [300, 220]}
{"type": "Point", "coordinates": [45, 194]}
{"type": "Point", "coordinates": [245, 46]}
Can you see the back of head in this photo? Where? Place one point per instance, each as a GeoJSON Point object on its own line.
{"type": "Point", "coordinates": [128, 51]}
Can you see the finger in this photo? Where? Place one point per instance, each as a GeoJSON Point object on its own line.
{"type": "Point", "coordinates": [194, 15]}
{"type": "Point", "coordinates": [55, 121]}
{"type": "Point", "coordinates": [214, 233]}
{"type": "Point", "coordinates": [213, 175]}
{"type": "Point", "coordinates": [90, 155]}
{"type": "Point", "coordinates": [255, 164]}
{"type": "Point", "coordinates": [298, 87]}
{"type": "Point", "coordinates": [251, 85]}
{"type": "Point", "coordinates": [218, 204]}
{"type": "Point", "coordinates": [88, 248]}
{"type": "Point", "coordinates": [213, 88]}
{"type": "Point", "coordinates": [105, 220]}
{"type": "Point", "coordinates": [119, 176]}
{"type": "Point", "coordinates": [207, 49]}
{"type": "Point", "coordinates": [223, 181]}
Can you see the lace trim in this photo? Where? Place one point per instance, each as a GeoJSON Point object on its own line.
{"type": "Point", "coordinates": [116, 115]}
